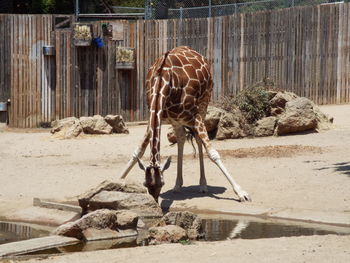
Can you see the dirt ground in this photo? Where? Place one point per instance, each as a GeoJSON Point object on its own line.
{"type": "Point", "coordinates": [304, 176]}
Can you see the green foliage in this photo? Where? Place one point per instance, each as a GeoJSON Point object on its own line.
{"type": "Point", "coordinates": [50, 6]}
{"type": "Point", "coordinates": [227, 103]}
{"type": "Point", "coordinates": [130, 3]}
{"type": "Point", "coordinates": [185, 242]}
{"type": "Point", "coordinates": [253, 102]}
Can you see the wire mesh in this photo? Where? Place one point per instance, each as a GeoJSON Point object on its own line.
{"type": "Point", "coordinates": [165, 9]}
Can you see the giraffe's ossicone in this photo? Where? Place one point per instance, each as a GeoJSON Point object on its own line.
{"type": "Point", "coordinates": [178, 87]}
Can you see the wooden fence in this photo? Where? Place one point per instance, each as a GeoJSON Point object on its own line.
{"type": "Point", "coordinates": [305, 50]}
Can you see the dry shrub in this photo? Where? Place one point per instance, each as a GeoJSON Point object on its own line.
{"type": "Point", "coordinates": [252, 101]}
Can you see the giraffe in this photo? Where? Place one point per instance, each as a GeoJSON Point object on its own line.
{"type": "Point", "coordinates": [178, 88]}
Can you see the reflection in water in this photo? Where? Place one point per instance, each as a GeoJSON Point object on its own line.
{"type": "Point", "coordinates": [10, 232]}
{"type": "Point", "coordinates": [216, 229]}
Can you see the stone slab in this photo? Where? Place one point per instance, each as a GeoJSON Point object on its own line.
{"type": "Point", "coordinates": [45, 216]}
{"type": "Point", "coordinates": [36, 244]}
{"type": "Point", "coordinates": [54, 205]}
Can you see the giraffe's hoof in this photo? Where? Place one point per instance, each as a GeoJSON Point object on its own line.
{"type": "Point", "coordinates": [244, 196]}
{"type": "Point", "coordinates": [203, 189]}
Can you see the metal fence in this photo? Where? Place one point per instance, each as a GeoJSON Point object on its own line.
{"type": "Point", "coordinates": [180, 9]}
{"type": "Point", "coordinates": [163, 9]}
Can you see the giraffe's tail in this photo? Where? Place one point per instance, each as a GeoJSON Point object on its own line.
{"type": "Point", "coordinates": [161, 62]}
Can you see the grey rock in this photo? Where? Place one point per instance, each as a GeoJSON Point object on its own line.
{"type": "Point", "coordinates": [265, 127]}
{"type": "Point", "coordinates": [324, 122]}
{"type": "Point", "coordinates": [171, 135]}
{"type": "Point", "coordinates": [281, 98]}
{"type": "Point", "coordinates": [299, 116]}
{"type": "Point", "coordinates": [212, 118]}
{"type": "Point", "coordinates": [95, 125]}
{"type": "Point", "coordinates": [117, 123]}
{"type": "Point", "coordinates": [166, 234]}
{"type": "Point", "coordinates": [118, 185]}
{"type": "Point", "coordinates": [73, 131]}
{"type": "Point", "coordinates": [58, 125]}
{"type": "Point", "coordinates": [66, 128]}
{"type": "Point", "coordinates": [101, 224]}
{"type": "Point", "coordinates": [229, 127]}
{"type": "Point", "coordinates": [189, 221]}
{"type": "Point", "coordinates": [142, 204]}
{"type": "Point", "coordinates": [276, 111]}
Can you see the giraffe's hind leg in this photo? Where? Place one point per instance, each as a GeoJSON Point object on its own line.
{"type": "Point", "coordinates": [215, 157]}
{"type": "Point", "coordinates": [180, 138]}
{"type": "Point", "coordinates": [138, 153]}
{"type": "Point", "coordinates": [202, 181]}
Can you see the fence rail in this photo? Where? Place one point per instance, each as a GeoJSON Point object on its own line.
{"type": "Point", "coordinates": [304, 49]}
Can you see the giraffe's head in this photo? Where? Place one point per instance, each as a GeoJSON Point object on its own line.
{"type": "Point", "coordinates": [154, 177]}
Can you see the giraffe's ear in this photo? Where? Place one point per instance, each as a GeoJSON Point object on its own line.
{"type": "Point", "coordinates": [166, 164]}
{"type": "Point", "coordinates": [141, 164]}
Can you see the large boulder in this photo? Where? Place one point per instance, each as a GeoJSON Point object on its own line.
{"type": "Point", "coordinates": [298, 116]}
{"type": "Point", "coordinates": [95, 125]}
{"type": "Point", "coordinates": [117, 123]}
{"type": "Point", "coordinates": [265, 127]}
{"type": "Point", "coordinates": [120, 195]}
{"type": "Point", "coordinates": [189, 221]}
{"type": "Point", "coordinates": [101, 224]}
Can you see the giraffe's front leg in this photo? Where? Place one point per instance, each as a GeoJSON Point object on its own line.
{"type": "Point", "coordinates": [181, 138]}
{"type": "Point", "coordinates": [202, 181]}
{"type": "Point", "coordinates": [215, 157]}
{"type": "Point", "coordinates": [138, 153]}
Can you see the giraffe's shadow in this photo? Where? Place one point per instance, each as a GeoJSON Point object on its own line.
{"type": "Point", "coordinates": [190, 192]}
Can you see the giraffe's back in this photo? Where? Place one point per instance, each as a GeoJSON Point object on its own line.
{"type": "Point", "coordinates": [185, 87]}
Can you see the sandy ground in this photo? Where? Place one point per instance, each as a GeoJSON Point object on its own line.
{"type": "Point", "coordinates": [304, 176]}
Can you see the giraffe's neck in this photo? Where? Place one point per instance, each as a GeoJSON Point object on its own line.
{"type": "Point", "coordinates": [156, 108]}
{"type": "Point", "coordinates": [155, 127]}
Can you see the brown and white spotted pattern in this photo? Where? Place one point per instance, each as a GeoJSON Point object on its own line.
{"type": "Point", "coordinates": [178, 88]}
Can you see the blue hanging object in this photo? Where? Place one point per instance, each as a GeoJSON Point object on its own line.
{"type": "Point", "coordinates": [99, 42]}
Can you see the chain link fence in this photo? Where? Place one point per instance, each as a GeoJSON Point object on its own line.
{"type": "Point", "coordinates": [165, 9]}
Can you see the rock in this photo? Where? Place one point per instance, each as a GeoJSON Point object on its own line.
{"type": "Point", "coordinates": [271, 93]}
{"type": "Point", "coordinates": [276, 111]}
{"type": "Point", "coordinates": [119, 185]}
{"type": "Point", "coordinates": [73, 131]}
{"type": "Point", "coordinates": [212, 118]}
{"type": "Point", "coordinates": [93, 234]}
{"type": "Point", "coordinates": [58, 125]}
{"type": "Point", "coordinates": [189, 221]}
{"type": "Point", "coordinates": [117, 123]}
{"type": "Point", "coordinates": [168, 234]}
{"type": "Point", "coordinates": [324, 122]}
{"type": "Point", "coordinates": [299, 116]}
{"type": "Point", "coordinates": [265, 127]}
{"type": "Point", "coordinates": [171, 136]}
{"type": "Point", "coordinates": [101, 224]}
{"type": "Point", "coordinates": [66, 128]}
{"type": "Point", "coordinates": [229, 127]}
{"type": "Point", "coordinates": [281, 98]}
{"type": "Point", "coordinates": [142, 204]}
{"type": "Point", "coordinates": [95, 125]}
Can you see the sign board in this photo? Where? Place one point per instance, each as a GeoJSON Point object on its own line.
{"type": "Point", "coordinates": [117, 31]}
